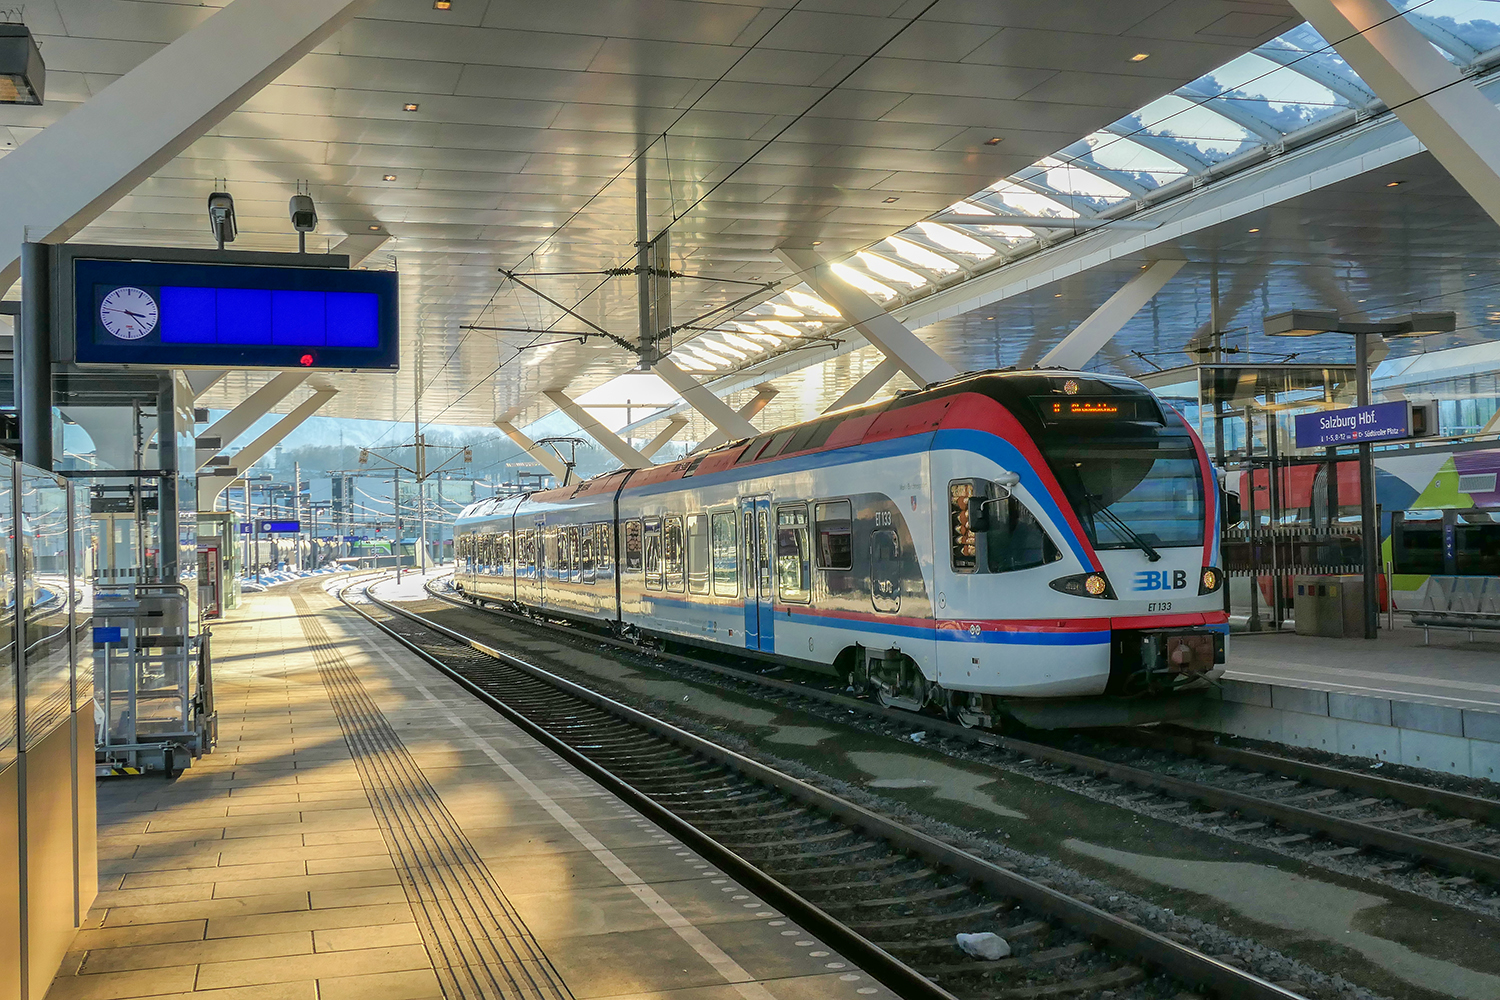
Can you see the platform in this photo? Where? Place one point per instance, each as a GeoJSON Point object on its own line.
{"type": "Point", "coordinates": [1434, 706]}
{"type": "Point", "coordinates": [366, 830]}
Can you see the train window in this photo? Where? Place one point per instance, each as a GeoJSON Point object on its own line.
{"type": "Point", "coordinates": [885, 570]}
{"type": "Point", "coordinates": [1477, 548]}
{"type": "Point", "coordinates": [673, 553]}
{"type": "Point", "coordinates": [793, 562]}
{"type": "Point", "coordinates": [725, 554]}
{"type": "Point", "coordinates": [550, 543]}
{"type": "Point", "coordinates": [834, 522]}
{"type": "Point", "coordinates": [763, 554]}
{"type": "Point", "coordinates": [652, 554]}
{"type": "Point", "coordinates": [505, 551]}
{"type": "Point", "coordinates": [812, 435]}
{"type": "Point", "coordinates": [1417, 542]}
{"type": "Point", "coordinates": [697, 553]}
{"type": "Point", "coordinates": [753, 449]}
{"type": "Point", "coordinates": [776, 444]}
{"type": "Point", "coordinates": [575, 561]}
{"type": "Point", "coordinates": [1014, 538]}
{"type": "Point", "coordinates": [962, 544]}
{"type": "Point", "coordinates": [632, 546]}
{"type": "Point", "coordinates": [587, 542]}
{"type": "Point", "coordinates": [606, 551]}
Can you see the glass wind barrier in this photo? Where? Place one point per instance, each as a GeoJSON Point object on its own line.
{"type": "Point", "coordinates": [45, 601]}
{"type": "Point", "coordinates": [9, 718]}
{"type": "Point", "coordinates": [85, 553]}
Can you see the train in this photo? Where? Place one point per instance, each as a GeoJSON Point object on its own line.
{"type": "Point", "coordinates": [1002, 538]}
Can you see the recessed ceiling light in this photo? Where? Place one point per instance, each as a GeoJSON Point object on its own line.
{"type": "Point", "coordinates": [389, 177]}
{"type": "Point", "coordinates": [993, 140]}
{"type": "Point", "coordinates": [817, 243]}
{"type": "Point", "coordinates": [374, 229]}
{"type": "Point", "coordinates": [1255, 230]}
{"type": "Point", "coordinates": [1140, 57]}
{"type": "Point", "coordinates": [442, 4]}
{"type": "Point", "coordinates": [989, 317]}
{"type": "Point", "coordinates": [1393, 184]}
{"type": "Point", "coordinates": [890, 201]}
{"type": "Point", "coordinates": [1058, 295]}
{"type": "Point", "coordinates": [408, 107]}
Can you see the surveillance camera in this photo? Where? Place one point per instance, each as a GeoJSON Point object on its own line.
{"type": "Point", "coordinates": [221, 217]}
{"type": "Point", "coordinates": [304, 215]}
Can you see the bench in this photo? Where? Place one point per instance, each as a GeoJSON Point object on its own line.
{"type": "Point", "coordinates": [1459, 603]}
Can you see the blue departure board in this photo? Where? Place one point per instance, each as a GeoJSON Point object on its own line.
{"type": "Point", "coordinates": [181, 315]}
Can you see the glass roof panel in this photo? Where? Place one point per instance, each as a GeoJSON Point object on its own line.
{"type": "Point", "coordinates": [952, 239]}
{"type": "Point", "coordinates": [919, 255]}
{"type": "Point", "coordinates": [1073, 178]}
{"type": "Point", "coordinates": [1024, 201]}
{"type": "Point", "coordinates": [1145, 167]}
{"type": "Point", "coordinates": [1278, 95]}
{"type": "Point", "coordinates": [1199, 131]}
{"type": "Point", "coordinates": [1477, 22]}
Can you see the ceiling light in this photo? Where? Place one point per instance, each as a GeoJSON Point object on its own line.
{"type": "Point", "coordinates": [408, 107]}
{"type": "Point", "coordinates": [1394, 184]}
{"type": "Point", "coordinates": [1058, 295]}
{"type": "Point", "coordinates": [389, 177]}
{"type": "Point", "coordinates": [442, 4]}
{"type": "Point", "coordinates": [892, 201]}
{"type": "Point", "coordinates": [1255, 230]}
{"type": "Point", "coordinates": [989, 317]}
{"type": "Point", "coordinates": [993, 140]}
{"type": "Point", "coordinates": [23, 76]}
{"type": "Point", "coordinates": [1140, 57]}
{"type": "Point", "coordinates": [374, 229]}
{"type": "Point", "coordinates": [817, 243]}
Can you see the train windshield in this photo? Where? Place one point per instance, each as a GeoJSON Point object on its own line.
{"type": "Point", "coordinates": [1132, 493]}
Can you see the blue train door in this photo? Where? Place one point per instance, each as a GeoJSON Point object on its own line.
{"type": "Point", "coordinates": [755, 570]}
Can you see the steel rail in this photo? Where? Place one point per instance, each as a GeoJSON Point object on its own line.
{"type": "Point", "coordinates": [1457, 859]}
{"type": "Point", "coordinates": [1179, 960]}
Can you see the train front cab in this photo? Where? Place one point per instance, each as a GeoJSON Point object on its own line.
{"type": "Point", "coordinates": [1077, 558]}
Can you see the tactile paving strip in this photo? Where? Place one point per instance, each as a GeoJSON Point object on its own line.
{"type": "Point", "coordinates": [479, 946]}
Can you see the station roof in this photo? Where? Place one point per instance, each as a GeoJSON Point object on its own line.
{"type": "Point", "coordinates": [499, 135]}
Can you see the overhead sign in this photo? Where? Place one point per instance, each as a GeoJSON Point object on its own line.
{"type": "Point", "coordinates": [192, 315]}
{"type": "Point", "coordinates": [1355, 424]}
{"type": "Point", "coordinates": [280, 527]}
{"type": "Point", "coordinates": [246, 527]}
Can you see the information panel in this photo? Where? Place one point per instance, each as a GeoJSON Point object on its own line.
{"type": "Point", "coordinates": [1377, 422]}
{"type": "Point", "coordinates": [280, 527]}
{"type": "Point", "coordinates": [184, 315]}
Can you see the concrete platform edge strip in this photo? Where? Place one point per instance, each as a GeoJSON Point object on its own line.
{"type": "Point", "coordinates": [478, 944]}
{"type": "Point", "coordinates": [1420, 734]}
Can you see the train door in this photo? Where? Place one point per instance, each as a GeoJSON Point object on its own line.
{"type": "Point", "coordinates": [755, 568]}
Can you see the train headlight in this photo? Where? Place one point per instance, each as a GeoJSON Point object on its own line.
{"type": "Point", "coordinates": [1211, 581]}
{"type": "Point", "coordinates": [1085, 585]}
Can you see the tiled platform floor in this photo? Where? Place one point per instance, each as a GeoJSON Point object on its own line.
{"type": "Point", "coordinates": [1451, 671]}
{"type": "Point", "coordinates": [263, 873]}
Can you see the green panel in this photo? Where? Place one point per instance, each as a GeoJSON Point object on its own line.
{"type": "Point", "coordinates": [1442, 493]}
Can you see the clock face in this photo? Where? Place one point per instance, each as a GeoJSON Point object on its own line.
{"type": "Point", "coordinates": [128, 313]}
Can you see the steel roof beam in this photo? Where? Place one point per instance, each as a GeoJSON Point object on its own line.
{"type": "Point", "coordinates": [546, 459]}
{"type": "Point", "coordinates": [700, 398]}
{"type": "Point", "coordinates": [869, 384]}
{"type": "Point", "coordinates": [921, 363]}
{"type": "Point", "coordinates": [250, 409]}
{"type": "Point", "coordinates": [62, 179]}
{"type": "Point", "coordinates": [590, 425]}
{"type": "Point", "coordinates": [1444, 109]}
{"type": "Point", "coordinates": [210, 488]}
{"type": "Point", "coordinates": [1079, 347]}
{"type": "Point", "coordinates": [763, 395]}
{"type": "Point", "coordinates": [656, 444]}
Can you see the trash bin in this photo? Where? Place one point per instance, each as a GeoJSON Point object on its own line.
{"type": "Point", "coordinates": [1331, 606]}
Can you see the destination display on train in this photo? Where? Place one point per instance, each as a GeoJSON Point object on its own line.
{"type": "Point", "coordinates": [159, 314]}
{"type": "Point", "coordinates": [1094, 409]}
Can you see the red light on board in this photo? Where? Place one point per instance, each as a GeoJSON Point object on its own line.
{"type": "Point", "coordinates": [306, 361]}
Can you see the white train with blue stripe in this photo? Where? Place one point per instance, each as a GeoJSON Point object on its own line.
{"type": "Point", "coordinates": [1002, 536]}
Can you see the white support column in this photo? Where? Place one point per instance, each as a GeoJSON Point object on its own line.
{"type": "Point", "coordinates": [924, 365]}
{"type": "Point", "coordinates": [62, 179]}
{"type": "Point", "coordinates": [718, 412]}
{"type": "Point", "coordinates": [211, 487]}
{"type": "Point", "coordinates": [869, 384]}
{"type": "Point", "coordinates": [608, 439]}
{"type": "Point", "coordinates": [1446, 111]}
{"type": "Point", "coordinates": [764, 393]}
{"type": "Point", "coordinates": [656, 444]}
{"type": "Point", "coordinates": [1093, 333]}
{"type": "Point", "coordinates": [238, 420]}
{"type": "Point", "coordinates": [548, 460]}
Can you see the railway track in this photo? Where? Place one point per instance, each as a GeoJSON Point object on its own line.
{"type": "Point", "coordinates": [889, 897]}
{"type": "Point", "coordinates": [1332, 813]}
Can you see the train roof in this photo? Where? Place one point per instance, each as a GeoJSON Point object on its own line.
{"type": "Point", "coordinates": [907, 413]}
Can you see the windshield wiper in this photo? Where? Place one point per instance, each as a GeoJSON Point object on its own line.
{"type": "Point", "coordinates": [1119, 525]}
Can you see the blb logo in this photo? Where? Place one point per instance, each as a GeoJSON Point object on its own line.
{"type": "Point", "coordinates": [1160, 579]}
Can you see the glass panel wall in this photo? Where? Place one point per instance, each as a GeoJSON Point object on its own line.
{"type": "Point", "coordinates": [45, 601]}
{"type": "Point", "coordinates": [9, 721]}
